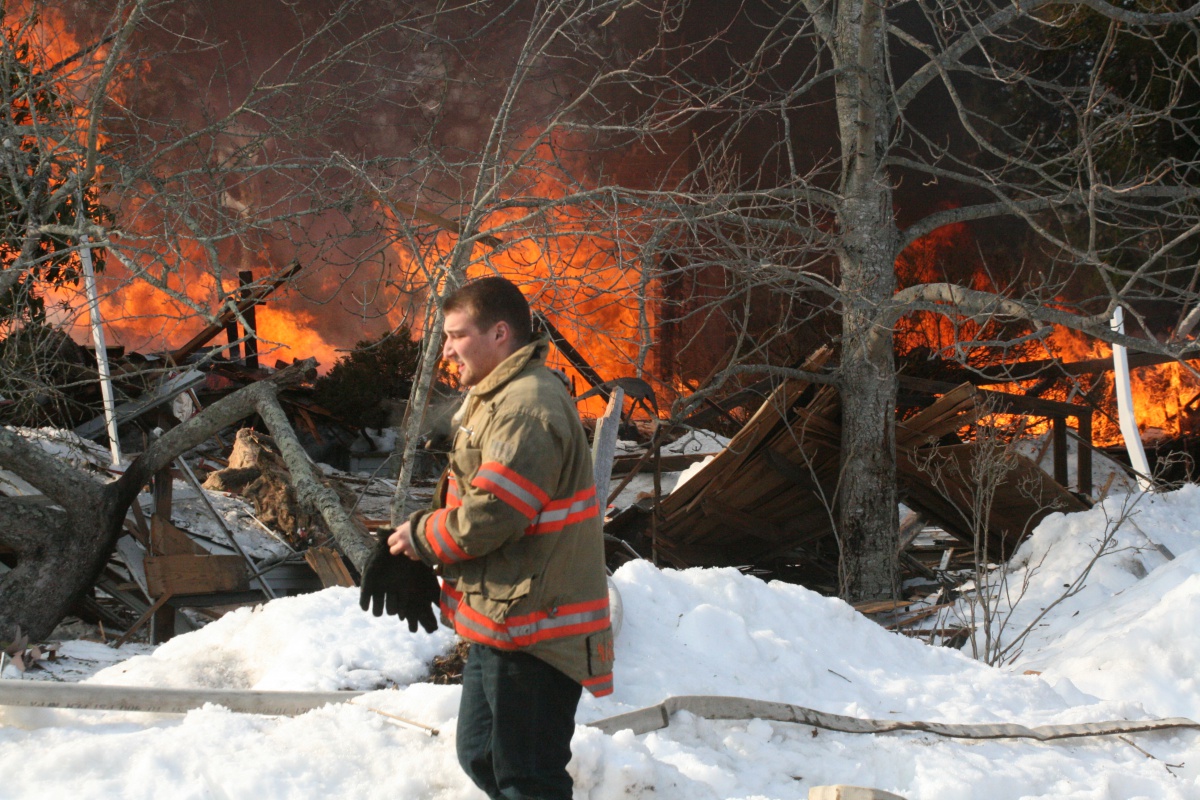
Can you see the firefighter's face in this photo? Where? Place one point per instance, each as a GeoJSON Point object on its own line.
{"type": "Point", "coordinates": [473, 351]}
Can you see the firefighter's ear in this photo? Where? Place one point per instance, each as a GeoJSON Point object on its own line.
{"type": "Point", "coordinates": [501, 332]}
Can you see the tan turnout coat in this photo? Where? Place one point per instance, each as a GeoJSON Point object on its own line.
{"type": "Point", "coordinates": [516, 531]}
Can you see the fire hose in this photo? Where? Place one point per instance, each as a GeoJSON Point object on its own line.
{"type": "Point", "coordinates": [41, 694]}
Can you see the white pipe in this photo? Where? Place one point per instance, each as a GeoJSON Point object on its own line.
{"type": "Point", "coordinates": [604, 446]}
{"type": "Point", "coordinates": [106, 390]}
{"type": "Point", "coordinates": [47, 694]}
{"type": "Point", "coordinates": [1125, 413]}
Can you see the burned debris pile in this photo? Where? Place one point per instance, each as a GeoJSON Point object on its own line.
{"type": "Point", "coordinates": [221, 524]}
{"type": "Point", "coordinates": [764, 503]}
{"type": "Point", "coordinates": [224, 525]}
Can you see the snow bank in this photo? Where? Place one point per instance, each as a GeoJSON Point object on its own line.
{"type": "Point", "coordinates": [1122, 647]}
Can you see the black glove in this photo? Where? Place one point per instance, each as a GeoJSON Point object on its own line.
{"type": "Point", "coordinates": [401, 586]}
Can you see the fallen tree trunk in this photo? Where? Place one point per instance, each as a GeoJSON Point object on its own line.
{"type": "Point", "coordinates": [64, 539]}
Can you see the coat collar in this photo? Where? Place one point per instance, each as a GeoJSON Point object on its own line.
{"type": "Point", "coordinates": [533, 353]}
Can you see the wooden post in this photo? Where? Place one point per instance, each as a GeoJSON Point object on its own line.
{"type": "Point", "coordinates": [1084, 463]}
{"type": "Point", "coordinates": [1060, 450]}
{"type": "Point", "coordinates": [257, 295]}
{"type": "Point", "coordinates": [162, 622]}
{"type": "Point", "coordinates": [246, 277]}
{"type": "Point", "coordinates": [234, 353]}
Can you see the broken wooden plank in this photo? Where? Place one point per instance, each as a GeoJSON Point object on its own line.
{"type": "Point", "coordinates": [328, 564]}
{"type": "Point", "coordinates": [192, 574]}
{"type": "Point", "coordinates": [164, 393]}
{"type": "Point", "coordinates": [949, 412]}
{"type": "Point", "coordinates": [671, 462]}
{"type": "Point", "coordinates": [773, 411]}
{"type": "Point", "coordinates": [135, 627]}
{"type": "Point", "coordinates": [868, 607]}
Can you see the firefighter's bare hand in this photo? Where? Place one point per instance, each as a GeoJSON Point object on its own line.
{"type": "Point", "coordinates": [400, 542]}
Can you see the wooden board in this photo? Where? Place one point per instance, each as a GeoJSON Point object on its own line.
{"type": "Point", "coordinates": [192, 574]}
{"type": "Point", "coordinates": [328, 565]}
{"type": "Point", "coordinates": [942, 491]}
{"type": "Point", "coordinates": [773, 412]}
{"type": "Point", "coordinates": [168, 540]}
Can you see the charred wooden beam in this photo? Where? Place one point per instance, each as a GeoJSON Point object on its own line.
{"type": "Point", "coordinates": [253, 297]}
{"type": "Point", "coordinates": [1030, 370]}
{"type": "Point", "coordinates": [133, 409]}
{"type": "Point", "coordinates": [1006, 401]}
{"type": "Point", "coordinates": [246, 281]}
{"type": "Point", "coordinates": [573, 356]}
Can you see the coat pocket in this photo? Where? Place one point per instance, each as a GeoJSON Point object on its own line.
{"type": "Point", "coordinates": [600, 653]}
{"type": "Point", "coordinates": [490, 592]}
{"type": "Point", "coordinates": [465, 461]}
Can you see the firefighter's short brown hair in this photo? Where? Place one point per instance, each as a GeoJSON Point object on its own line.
{"type": "Point", "coordinates": [491, 300]}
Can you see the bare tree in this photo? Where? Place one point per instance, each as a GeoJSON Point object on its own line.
{"type": "Point", "coordinates": [700, 191]}
{"type": "Point", "coordinates": [889, 122]}
{"type": "Point", "coordinates": [804, 146]}
{"type": "Point", "coordinates": [784, 156]}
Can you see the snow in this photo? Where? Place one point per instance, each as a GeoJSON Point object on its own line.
{"type": "Point", "coordinates": [1124, 645]}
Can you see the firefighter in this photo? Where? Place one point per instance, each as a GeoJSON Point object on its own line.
{"type": "Point", "coordinates": [516, 536]}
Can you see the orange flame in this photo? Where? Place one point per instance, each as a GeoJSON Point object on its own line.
{"type": "Point", "coordinates": [1164, 396]}
{"type": "Point", "coordinates": [572, 270]}
{"type": "Point", "coordinates": [570, 266]}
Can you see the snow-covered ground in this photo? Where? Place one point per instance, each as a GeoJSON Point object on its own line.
{"type": "Point", "coordinates": [1124, 646]}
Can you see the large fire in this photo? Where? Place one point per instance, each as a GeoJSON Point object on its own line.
{"type": "Point", "coordinates": [155, 296]}
{"type": "Point", "coordinates": [152, 297]}
{"type": "Point", "coordinates": [576, 266]}
{"type": "Point", "coordinates": [1163, 394]}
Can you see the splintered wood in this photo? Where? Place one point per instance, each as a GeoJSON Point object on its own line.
{"type": "Point", "coordinates": [328, 564]}
{"type": "Point", "coordinates": [771, 493]}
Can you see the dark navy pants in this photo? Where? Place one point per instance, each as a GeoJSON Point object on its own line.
{"type": "Point", "coordinates": [515, 724]}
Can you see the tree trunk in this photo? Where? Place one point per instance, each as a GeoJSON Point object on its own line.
{"type": "Point", "coordinates": [866, 498]}
{"type": "Point", "coordinates": [60, 553]}
{"type": "Point", "coordinates": [867, 505]}
{"type": "Point", "coordinates": [418, 405]}
{"type": "Point", "coordinates": [50, 550]}
{"type": "Point", "coordinates": [62, 539]}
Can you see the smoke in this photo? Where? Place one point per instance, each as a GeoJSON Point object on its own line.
{"type": "Point", "coordinates": [230, 131]}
